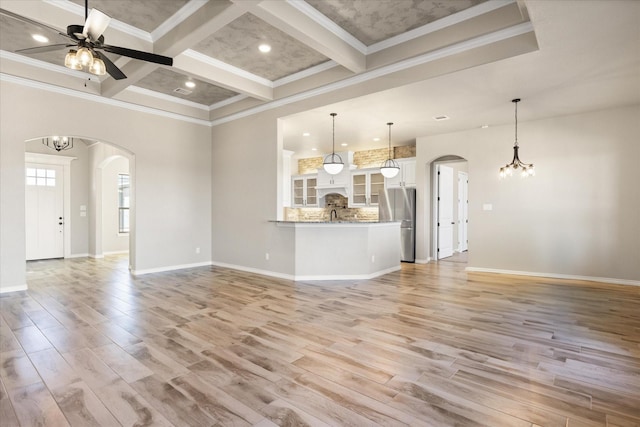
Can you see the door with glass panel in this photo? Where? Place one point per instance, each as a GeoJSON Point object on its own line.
{"type": "Point", "coordinates": [44, 204]}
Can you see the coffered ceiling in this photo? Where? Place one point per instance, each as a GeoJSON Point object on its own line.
{"type": "Point", "coordinates": [317, 47]}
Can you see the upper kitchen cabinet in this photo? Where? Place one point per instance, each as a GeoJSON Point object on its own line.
{"type": "Point", "coordinates": [366, 186]}
{"type": "Point", "coordinates": [407, 175]}
{"type": "Point", "coordinates": [303, 189]}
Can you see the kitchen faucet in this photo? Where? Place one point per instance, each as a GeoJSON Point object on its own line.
{"type": "Point", "coordinates": [333, 214]}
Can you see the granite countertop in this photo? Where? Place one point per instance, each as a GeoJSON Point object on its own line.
{"type": "Point", "coordinates": [334, 222]}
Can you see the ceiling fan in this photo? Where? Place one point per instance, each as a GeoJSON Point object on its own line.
{"type": "Point", "coordinates": [86, 42]}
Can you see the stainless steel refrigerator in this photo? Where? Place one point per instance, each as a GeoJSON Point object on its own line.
{"type": "Point", "coordinates": [399, 204]}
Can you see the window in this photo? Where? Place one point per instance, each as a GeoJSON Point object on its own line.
{"type": "Point", "coordinates": [41, 177]}
{"type": "Point", "coordinates": [123, 203]}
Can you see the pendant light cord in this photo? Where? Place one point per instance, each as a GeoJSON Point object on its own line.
{"type": "Point", "coordinates": [389, 139]}
{"type": "Point", "coordinates": [333, 146]}
{"type": "Point", "coordinates": [515, 101]}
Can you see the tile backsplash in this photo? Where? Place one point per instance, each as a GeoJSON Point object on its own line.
{"type": "Point", "coordinates": [332, 201]}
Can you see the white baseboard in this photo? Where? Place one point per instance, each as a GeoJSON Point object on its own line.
{"type": "Point", "coordinates": [170, 268]}
{"type": "Point", "coordinates": [8, 289]}
{"type": "Point", "coordinates": [78, 256]}
{"type": "Point", "coordinates": [96, 256]}
{"type": "Point", "coordinates": [423, 261]}
{"type": "Point", "coordinates": [556, 276]}
{"type": "Point", "coordinates": [126, 251]}
{"type": "Point", "coordinates": [305, 278]}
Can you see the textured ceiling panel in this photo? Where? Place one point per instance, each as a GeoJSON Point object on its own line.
{"type": "Point", "coordinates": [237, 45]}
{"type": "Point", "coordinates": [166, 81]}
{"type": "Point", "coordinates": [371, 21]}
{"type": "Point", "coordinates": [146, 15]}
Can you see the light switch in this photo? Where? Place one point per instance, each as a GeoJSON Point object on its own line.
{"type": "Point", "coordinates": [487, 207]}
{"type": "Point", "coordinates": [83, 207]}
{"type": "Point", "coordinates": [83, 213]}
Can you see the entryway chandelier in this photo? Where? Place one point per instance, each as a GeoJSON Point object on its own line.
{"type": "Point", "coordinates": [390, 167]}
{"type": "Point", "coordinates": [525, 168]}
{"type": "Point", "coordinates": [58, 143]}
{"type": "Point", "coordinates": [333, 163]}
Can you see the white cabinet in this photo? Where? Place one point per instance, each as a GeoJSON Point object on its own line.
{"type": "Point", "coordinates": [366, 186]}
{"type": "Point", "coordinates": [303, 190]}
{"type": "Point", "coordinates": [406, 176]}
{"type": "Point", "coordinates": [326, 180]}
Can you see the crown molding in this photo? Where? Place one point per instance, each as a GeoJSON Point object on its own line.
{"type": "Point", "coordinates": [165, 97]}
{"type": "Point", "coordinates": [305, 73]}
{"type": "Point", "coordinates": [99, 99]}
{"type": "Point", "coordinates": [190, 53]}
{"type": "Point", "coordinates": [227, 101]}
{"type": "Point", "coordinates": [185, 11]}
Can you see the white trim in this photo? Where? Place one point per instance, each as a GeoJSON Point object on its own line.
{"type": "Point", "coordinates": [556, 276]}
{"type": "Point", "coordinates": [76, 9]}
{"type": "Point", "coordinates": [170, 268]}
{"type": "Point", "coordinates": [423, 261]}
{"type": "Point", "coordinates": [165, 97]}
{"type": "Point", "coordinates": [86, 255]}
{"type": "Point", "coordinates": [227, 101]}
{"type": "Point", "coordinates": [79, 74]}
{"type": "Point", "coordinates": [97, 98]}
{"type": "Point", "coordinates": [304, 278]}
{"type": "Point", "coordinates": [327, 65]}
{"type": "Point", "coordinates": [187, 10]}
{"type": "Point", "coordinates": [96, 256]}
{"type": "Point", "coordinates": [466, 45]}
{"type": "Point", "coordinates": [445, 22]}
{"type": "Point", "coordinates": [7, 289]}
{"type": "Point", "coordinates": [65, 162]}
{"type": "Point", "coordinates": [126, 251]}
{"type": "Point", "coordinates": [190, 53]}
{"type": "Point", "coordinates": [329, 25]}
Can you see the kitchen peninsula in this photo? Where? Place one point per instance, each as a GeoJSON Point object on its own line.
{"type": "Point", "coordinates": [336, 250]}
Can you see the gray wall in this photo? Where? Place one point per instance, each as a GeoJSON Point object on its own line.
{"type": "Point", "coordinates": [172, 174]}
{"type": "Point", "coordinates": [579, 216]}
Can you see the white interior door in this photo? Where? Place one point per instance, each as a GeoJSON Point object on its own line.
{"type": "Point", "coordinates": [445, 211]}
{"type": "Point", "coordinates": [463, 210]}
{"type": "Point", "coordinates": [44, 203]}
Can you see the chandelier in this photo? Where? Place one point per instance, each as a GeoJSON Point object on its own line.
{"type": "Point", "coordinates": [58, 143]}
{"type": "Point", "coordinates": [390, 167]}
{"type": "Point", "coordinates": [333, 163]}
{"type": "Point", "coordinates": [526, 169]}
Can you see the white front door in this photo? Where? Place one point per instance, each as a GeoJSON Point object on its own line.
{"type": "Point", "coordinates": [445, 211]}
{"type": "Point", "coordinates": [44, 204]}
{"type": "Point", "coordinates": [463, 210]}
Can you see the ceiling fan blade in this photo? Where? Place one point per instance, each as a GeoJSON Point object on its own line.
{"type": "Point", "coordinates": [96, 23]}
{"type": "Point", "coordinates": [32, 22]}
{"type": "Point", "coordinates": [41, 49]}
{"type": "Point", "coordinates": [112, 68]}
{"type": "Point", "coordinates": [137, 54]}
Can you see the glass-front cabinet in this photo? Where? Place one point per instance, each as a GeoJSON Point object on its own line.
{"type": "Point", "coordinates": [304, 191]}
{"type": "Point", "coordinates": [366, 186]}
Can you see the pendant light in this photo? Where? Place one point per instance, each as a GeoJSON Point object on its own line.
{"type": "Point", "coordinates": [526, 169]}
{"type": "Point", "coordinates": [333, 163]}
{"type": "Point", "coordinates": [390, 167]}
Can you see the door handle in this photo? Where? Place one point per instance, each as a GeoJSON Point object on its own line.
{"type": "Point", "coordinates": [453, 223]}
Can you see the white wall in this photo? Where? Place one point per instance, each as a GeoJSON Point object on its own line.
{"type": "Point", "coordinates": [579, 216]}
{"type": "Point", "coordinates": [172, 170]}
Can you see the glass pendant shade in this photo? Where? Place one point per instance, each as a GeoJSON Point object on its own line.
{"type": "Point", "coordinates": [526, 169]}
{"type": "Point", "coordinates": [85, 57]}
{"type": "Point", "coordinates": [333, 163]}
{"type": "Point", "coordinates": [71, 61]}
{"type": "Point", "coordinates": [97, 67]}
{"type": "Point", "coordinates": [390, 167]}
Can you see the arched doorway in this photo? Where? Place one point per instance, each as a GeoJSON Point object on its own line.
{"type": "Point", "coordinates": [91, 195]}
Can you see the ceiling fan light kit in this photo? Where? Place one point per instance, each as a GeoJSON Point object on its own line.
{"type": "Point", "coordinates": [86, 41]}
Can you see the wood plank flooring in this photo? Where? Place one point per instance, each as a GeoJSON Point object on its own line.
{"type": "Point", "coordinates": [430, 345]}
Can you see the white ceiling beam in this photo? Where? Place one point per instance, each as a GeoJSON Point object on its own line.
{"type": "Point", "coordinates": [222, 75]}
{"type": "Point", "coordinates": [211, 17]}
{"type": "Point", "coordinates": [303, 27]}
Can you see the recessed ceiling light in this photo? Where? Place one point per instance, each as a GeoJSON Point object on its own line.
{"type": "Point", "coordinates": [344, 144]}
{"type": "Point", "coordinates": [314, 149]}
{"type": "Point", "coordinates": [484, 126]}
{"type": "Point", "coordinates": [306, 134]}
{"type": "Point", "coordinates": [40, 38]}
{"type": "Point", "coordinates": [190, 84]}
{"type": "Point", "coordinates": [376, 139]}
{"type": "Point", "coordinates": [264, 48]}
{"type": "Point", "coordinates": [441, 117]}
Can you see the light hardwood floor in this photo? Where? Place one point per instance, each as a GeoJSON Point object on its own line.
{"type": "Point", "coordinates": [430, 345]}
